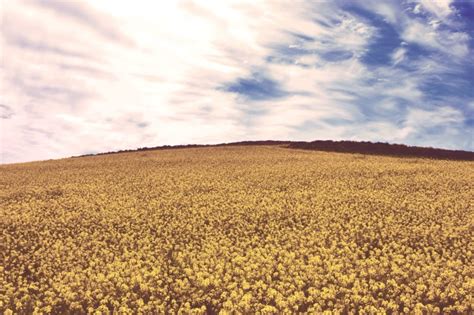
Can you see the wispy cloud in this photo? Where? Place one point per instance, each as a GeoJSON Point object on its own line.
{"type": "Point", "coordinates": [440, 8]}
{"type": "Point", "coordinates": [106, 75]}
{"type": "Point", "coordinates": [6, 112]}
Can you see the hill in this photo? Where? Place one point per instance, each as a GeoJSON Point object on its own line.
{"type": "Point", "coordinates": [372, 148]}
{"type": "Point", "coordinates": [250, 229]}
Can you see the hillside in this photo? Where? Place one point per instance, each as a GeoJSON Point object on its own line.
{"type": "Point", "coordinates": [247, 229]}
{"type": "Point", "coordinates": [372, 148]}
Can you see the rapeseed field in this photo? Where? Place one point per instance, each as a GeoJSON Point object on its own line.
{"type": "Point", "coordinates": [261, 229]}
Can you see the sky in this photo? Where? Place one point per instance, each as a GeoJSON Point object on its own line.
{"type": "Point", "coordinates": [81, 77]}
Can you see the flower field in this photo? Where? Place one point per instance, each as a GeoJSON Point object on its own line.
{"type": "Point", "coordinates": [254, 229]}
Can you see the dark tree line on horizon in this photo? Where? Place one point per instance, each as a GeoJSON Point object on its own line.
{"type": "Point", "coordinates": [361, 147]}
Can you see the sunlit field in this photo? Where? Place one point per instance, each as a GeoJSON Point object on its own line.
{"type": "Point", "coordinates": [256, 229]}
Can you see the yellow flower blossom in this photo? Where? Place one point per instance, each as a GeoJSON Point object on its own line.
{"type": "Point", "coordinates": [252, 230]}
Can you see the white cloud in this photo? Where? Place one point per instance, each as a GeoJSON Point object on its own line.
{"type": "Point", "coordinates": [417, 9]}
{"type": "Point", "coordinates": [346, 32]}
{"type": "Point", "coordinates": [451, 43]}
{"type": "Point", "coordinates": [418, 122]}
{"type": "Point", "coordinates": [389, 10]}
{"type": "Point", "coordinates": [434, 23]}
{"type": "Point", "coordinates": [437, 128]}
{"type": "Point", "coordinates": [398, 55]}
{"type": "Point", "coordinates": [97, 71]}
{"type": "Point", "coordinates": [108, 75]}
{"type": "Point", "coordinates": [440, 8]}
{"type": "Point", "coordinates": [169, 76]}
{"type": "Point", "coordinates": [440, 116]}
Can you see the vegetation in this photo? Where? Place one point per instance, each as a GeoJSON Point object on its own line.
{"type": "Point", "coordinates": [361, 147]}
{"type": "Point", "coordinates": [250, 229]}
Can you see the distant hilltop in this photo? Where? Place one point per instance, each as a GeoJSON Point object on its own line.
{"type": "Point", "coordinates": [360, 147]}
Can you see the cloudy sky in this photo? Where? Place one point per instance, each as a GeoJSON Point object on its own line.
{"type": "Point", "coordinates": [82, 77]}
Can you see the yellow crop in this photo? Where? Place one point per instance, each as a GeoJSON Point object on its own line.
{"type": "Point", "coordinates": [237, 229]}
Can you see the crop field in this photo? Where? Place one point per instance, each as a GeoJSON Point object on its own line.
{"type": "Point", "coordinates": [256, 229]}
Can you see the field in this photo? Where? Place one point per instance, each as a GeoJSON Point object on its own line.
{"type": "Point", "coordinates": [256, 229]}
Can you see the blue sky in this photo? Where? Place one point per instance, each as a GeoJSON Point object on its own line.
{"type": "Point", "coordinates": [91, 76]}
